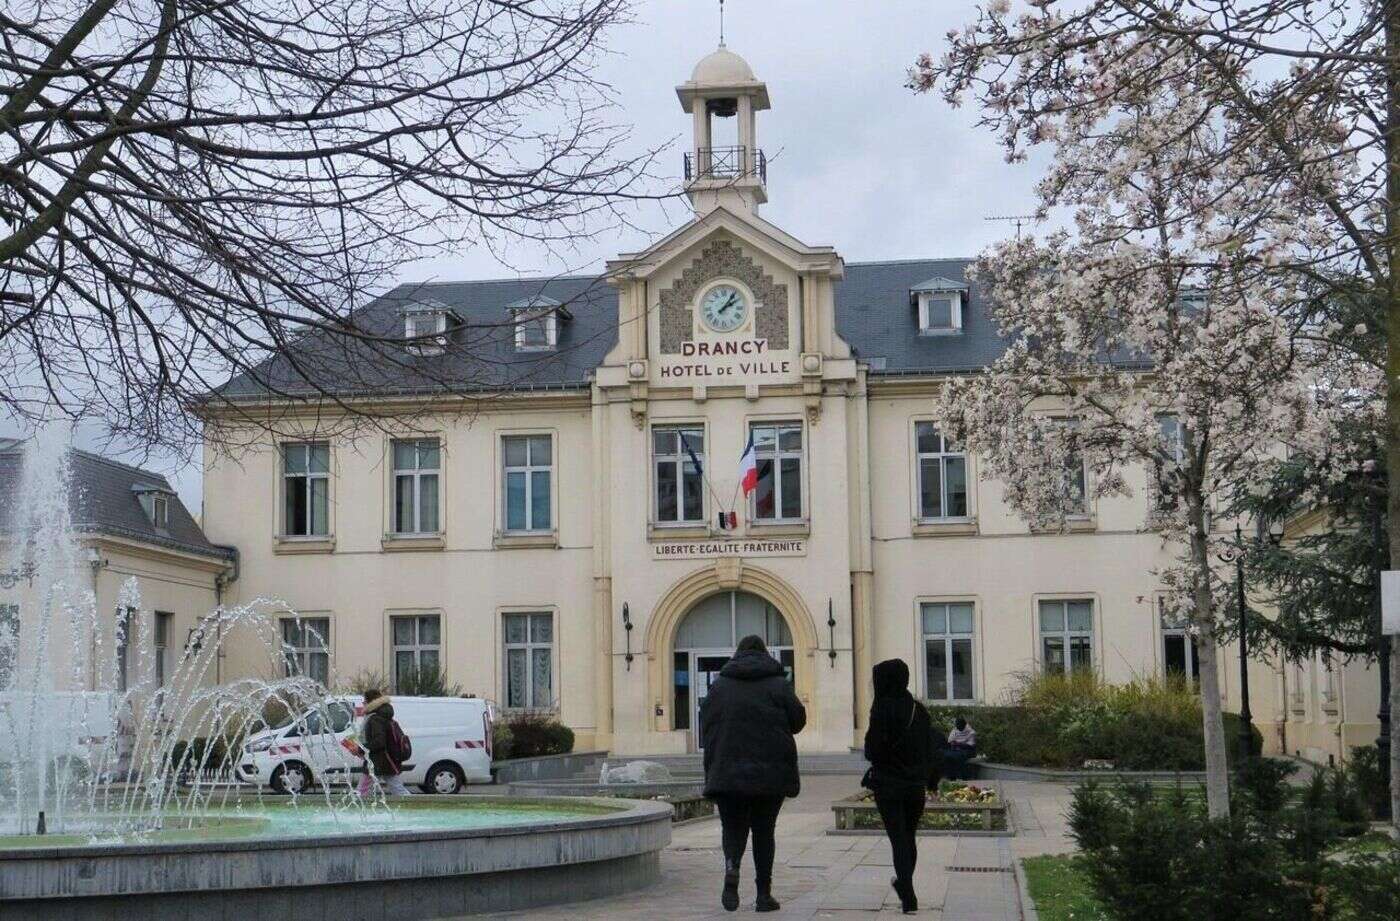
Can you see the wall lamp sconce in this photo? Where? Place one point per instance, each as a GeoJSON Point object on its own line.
{"type": "Point", "coordinates": [831, 633]}
{"type": "Point", "coordinates": [627, 625]}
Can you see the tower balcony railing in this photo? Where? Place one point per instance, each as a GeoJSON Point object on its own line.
{"type": "Point", "coordinates": [726, 163]}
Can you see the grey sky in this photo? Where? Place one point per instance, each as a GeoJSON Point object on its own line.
{"type": "Point", "coordinates": [856, 161]}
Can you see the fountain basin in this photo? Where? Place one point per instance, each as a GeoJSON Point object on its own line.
{"type": "Point", "coordinates": [567, 850]}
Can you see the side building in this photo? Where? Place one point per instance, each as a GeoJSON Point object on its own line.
{"type": "Point", "coordinates": [569, 531]}
{"type": "Point", "coordinates": [132, 531]}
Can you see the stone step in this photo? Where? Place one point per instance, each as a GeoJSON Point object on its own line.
{"type": "Point", "coordinates": [685, 766]}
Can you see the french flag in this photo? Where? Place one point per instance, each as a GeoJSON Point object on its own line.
{"type": "Point", "coordinates": [748, 468]}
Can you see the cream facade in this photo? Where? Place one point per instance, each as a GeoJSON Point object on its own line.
{"type": "Point", "coordinates": [152, 574]}
{"type": "Point", "coordinates": [580, 541]}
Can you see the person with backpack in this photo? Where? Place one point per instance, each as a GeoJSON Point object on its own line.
{"type": "Point", "coordinates": [901, 749]}
{"type": "Point", "coordinates": [387, 746]}
{"type": "Point", "coordinates": [747, 723]}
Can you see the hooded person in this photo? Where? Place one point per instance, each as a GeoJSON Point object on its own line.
{"type": "Point", "coordinates": [747, 723]}
{"type": "Point", "coordinates": [381, 769]}
{"type": "Point", "coordinates": [901, 749]}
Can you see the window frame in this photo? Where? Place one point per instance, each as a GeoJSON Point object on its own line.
{"type": "Point", "coordinates": [1166, 630]}
{"type": "Point", "coordinates": [505, 469]}
{"type": "Point", "coordinates": [529, 645]}
{"type": "Point", "coordinates": [417, 647]}
{"type": "Point", "coordinates": [161, 625]}
{"type": "Point", "coordinates": [943, 456]}
{"type": "Point", "coordinates": [777, 456]}
{"type": "Point", "coordinates": [9, 655]}
{"type": "Point", "coordinates": [125, 622]}
{"type": "Point", "coordinates": [948, 637]}
{"type": "Point", "coordinates": [1068, 634]}
{"type": "Point", "coordinates": [955, 313]}
{"type": "Point", "coordinates": [1084, 511]}
{"type": "Point", "coordinates": [437, 330]}
{"type": "Point", "coordinates": [522, 318]}
{"type": "Point", "coordinates": [302, 652]}
{"type": "Point", "coordinates": [680, 460]}
{"type": "Point", "coordinates": [308, 476]}
{"type": "Point", "coordinates": [417, 474]}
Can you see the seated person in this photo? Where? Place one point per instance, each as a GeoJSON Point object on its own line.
{"type": "Point", "coordinates": [961, 748]}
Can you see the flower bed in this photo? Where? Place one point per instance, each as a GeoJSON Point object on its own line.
{"type": "Point", "coordinates": [957, 808]}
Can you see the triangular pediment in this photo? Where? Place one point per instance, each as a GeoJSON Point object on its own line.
{"type": "Point", "coordinates": [750, 230]}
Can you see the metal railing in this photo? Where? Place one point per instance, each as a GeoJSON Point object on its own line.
{"type": "Point", "coordinates": [726, 163]}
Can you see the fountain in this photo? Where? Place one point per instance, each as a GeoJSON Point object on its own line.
{"type": "Point", "coordinates": [107, 807]}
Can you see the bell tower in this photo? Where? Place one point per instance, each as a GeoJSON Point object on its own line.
{"type": "Point", "coordinates": [724, 167]}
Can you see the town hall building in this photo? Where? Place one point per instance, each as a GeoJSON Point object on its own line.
{"type": "Point", "coordinates": [573, 534]}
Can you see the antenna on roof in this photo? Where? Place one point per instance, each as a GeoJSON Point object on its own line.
{"type": "Point", "coordinates": [721, 23]}
{"type": "Point", "coordinates": [1019, 219]}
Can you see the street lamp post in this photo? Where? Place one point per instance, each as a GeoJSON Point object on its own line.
{"type": "Point", "coordinates": [1246, 717]}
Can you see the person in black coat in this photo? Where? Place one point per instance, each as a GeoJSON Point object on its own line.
{"type": "Point", "coordinates": [747, 722]}
{"type": "Point", "coordinates": [904, 765]}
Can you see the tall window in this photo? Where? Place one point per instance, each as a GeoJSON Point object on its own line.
{"type": "Point", "coordinates": [1076, 480]}
{"type": "Point", "coordinates": [306, 647]}
{"type": "Point", "coordinates": [1066, 635]}
{"type": "Point", "coordinates": [162, 646]}
{"type": "Point", "coordinates": [947, 650]}
{"type": "Point", "coordinates": [306, 487]}
{"type": "Point", "coordinates": [1327, 692]}
{"type": "Point", "coordinates": [1173, 442]}
{"type": "Point", "coordinates": [9, 643]}
{"type": "Point", "coordinates": [778, 452]}
{"type": "Point", "coordinates": [529, 651]}
{"type": "Point", "coordinates": [529, 468]}
{"type": "Point", "coordinates": [942, 474]}
{"type": "Point", "coordinates": [417, 464]}
{"type": "Point", "coordinates": [417, 646]}
{"type": "Point", "coordinates": [126, 621]}
{"type": "Point", "coordinates": [1180, 655]}
{"type": "Point", "coordinates": [678, 453]}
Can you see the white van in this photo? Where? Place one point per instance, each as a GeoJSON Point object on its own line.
{"type": "Point", "coordinates": [451, 739]}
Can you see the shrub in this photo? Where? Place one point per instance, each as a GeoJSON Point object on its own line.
{"type": "Point", "coordinates": [199, 754]}
{"type": "Point", "coordinates": [1155, 854]}
{"type": "Point", "coordinates": [534, 734]}
{"type": "Point", "coordinates": [1366, 773]}
{"type": "Point", "coordinates": [426, 682]}
{"type": "Point", "coordinates": [1063, 720]}
{"type": "Point", "coordinates": [502, 741]}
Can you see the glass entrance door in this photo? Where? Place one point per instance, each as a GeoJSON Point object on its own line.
{"type": "Point", "coordinates": [704, 669]}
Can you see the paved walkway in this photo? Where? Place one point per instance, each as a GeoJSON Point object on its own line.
{"type": "Point", "coordinates": [840, 877]}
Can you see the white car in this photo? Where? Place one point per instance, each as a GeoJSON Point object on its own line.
{"type": "Point", "coordinates": [451, 739]}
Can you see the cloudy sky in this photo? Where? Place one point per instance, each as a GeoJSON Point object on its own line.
{"type": "Point", "coordinates": [856, 161]}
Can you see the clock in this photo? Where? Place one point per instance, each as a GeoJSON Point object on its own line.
{"type": "Point", "coordinates": [724, 308]}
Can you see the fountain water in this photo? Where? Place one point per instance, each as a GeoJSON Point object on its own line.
{"type": "Point", "coordinates": [88, 739]}
{"type": "Point", "coordinates": [104, 801]}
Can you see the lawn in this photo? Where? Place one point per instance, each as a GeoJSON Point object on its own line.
{"type": "Point", "coordinates": [1061, 889]}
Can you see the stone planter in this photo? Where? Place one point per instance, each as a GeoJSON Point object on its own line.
{"type": "Point", "coordinates": [857, 815]}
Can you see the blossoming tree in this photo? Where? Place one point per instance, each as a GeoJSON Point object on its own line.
{"type": "Point", "coordinates": [1181, 326]}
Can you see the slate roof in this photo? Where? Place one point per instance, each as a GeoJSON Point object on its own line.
{"type": "Point", "coordinates": [873, 314]}
{"type": "Point", "coordinates": [104, 500]}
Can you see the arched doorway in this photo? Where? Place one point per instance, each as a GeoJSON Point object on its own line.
{"type": "Point", "coordinates": [705, 639]}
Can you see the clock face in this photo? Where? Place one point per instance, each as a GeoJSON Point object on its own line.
{"type": "Point", "coordinates": [724, 308]}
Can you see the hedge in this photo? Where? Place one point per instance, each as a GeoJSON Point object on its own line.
{"type": "Point", "coordinates": [1058, 723]}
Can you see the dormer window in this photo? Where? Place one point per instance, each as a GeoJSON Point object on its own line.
{"type": "Point", "coordinates": [940, 302]}
{"type": "Point", "coordinates": [425, 327]}
{"type": "Point", "coordinates": [536, 330]}
{"type": "Point", "coordinates": [155, 502]}
{"type": "Point", "coordinates": [536, 321]}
